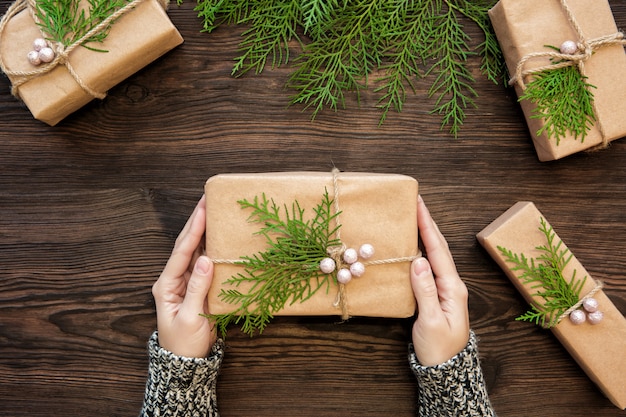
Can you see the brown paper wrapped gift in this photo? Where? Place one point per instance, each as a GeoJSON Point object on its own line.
{"type": "Point", "coordinates": [379, 209]}
{"type": "Point", "coordinates": [599, 349]}
{"type": "Point", "coordinates": [525, 27]}
{"type": "Point", "coordinates": [141, 35]}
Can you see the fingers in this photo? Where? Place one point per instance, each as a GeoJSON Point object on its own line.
{"type": "Point", "coordinates": [440, 291]}
{"type": "Point", "coordinates": [435, 243]}
{"type": "Point", "coordinates": [425, 289]}
{"type": "Point", "coordinates": [187, 242]}
{"type": "Point", "coordinates": [195, 301]}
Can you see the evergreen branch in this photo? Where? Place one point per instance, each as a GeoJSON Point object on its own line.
{"type": "Point", "coordinates": [556, 293]}
{"type": "Point", "coordinates": [404, 55]}
{"type": "Point", "coordinates": [564, 100]}
{"type": "Point", "coordinates": [337, 60]}
{"type": "Point", "coordinates": [452, 85]}
{"type": "Point", "coordinates": [272, 26]}
{"type": "Point", "coordinates": [287, 271]}
{"type": "Point", "coordinates": [315, 15]}
{"type": "Point", "coordinates": [65, 22]}
{"type": "Point", "coordinates": [351, 40]}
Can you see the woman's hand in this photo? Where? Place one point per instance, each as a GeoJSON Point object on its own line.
{"type": "Point", "coordinates": [442, 326]}
{"type": "Point", "coordinates": [181, 292]}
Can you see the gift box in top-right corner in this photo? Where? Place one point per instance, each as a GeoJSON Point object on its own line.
{"type": "Point", "coordinates": [567, 62]}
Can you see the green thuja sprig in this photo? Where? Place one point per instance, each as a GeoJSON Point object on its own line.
{"type": "Point", "coordinates": [66, 21]}
{"type": "Point", "coordinates": [546, 276]}
{"type": "Point", "coordinates": [564, 99]}
{"type": "Point", "coordinates": [287, 271]}
{"type": "Point", "coordinates": [349, 46]}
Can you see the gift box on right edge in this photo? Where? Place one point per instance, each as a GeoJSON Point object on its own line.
{"type": "Point", "coordinates": [533, 33]}
{"type": "Point", "coordinates": [582, 317]}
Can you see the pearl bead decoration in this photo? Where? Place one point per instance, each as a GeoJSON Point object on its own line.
{"type": "Point", "coordinates": [344, 276]}
{"type": "Point", "coordinates": [33, 58]}
{"type": "Point", "coordinates": [39, 44]}
{"type": "Point", "coordinates": [589, 312]}
{"type": "Point", "coordinates": [350, 256]}
{"type": "Point", "coordinates": [327, 265]}
{"type": "Point", "coordinates": [577, 317]}
{"type": "Point", "coordinates": [41, 52]}
{"type": "Point", "coordinates": [569, 47]}
{"type": "Point", "coordinates": [366, 251]}
{"type": "Point", "coordinates": [595, 317]}
{"type": "Point", "coordinates": [349, 265]}
{"type": "Point", "coordinates": [357, 269]}
{"type": "Point", "coordinates": [590, 305]}
{"type": "Point", "coordinates": [46, 54]}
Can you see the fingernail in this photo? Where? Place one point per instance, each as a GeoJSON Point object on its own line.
{"type": "Point", "coordinates": [202, 265]}
{"type": "Point", "coordinates": [421, 266]}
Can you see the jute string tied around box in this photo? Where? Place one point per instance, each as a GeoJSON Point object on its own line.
{"type": "Point", "coordinates": [586, 48]}
{"type": "Point", "coordinates": [597, 288]}
{"type": "Point", "coordinates": [336, 253]}
{"type": "Point", "coordinates": [62, 52]}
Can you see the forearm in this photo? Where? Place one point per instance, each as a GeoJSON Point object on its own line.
{"type": "Point", "coordinates": [454, 388]}
{"type": "Point", "coordinates": [180, 386]}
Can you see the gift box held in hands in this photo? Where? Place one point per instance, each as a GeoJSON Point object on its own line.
{"type": "Point", "coordinates": [136, 33]}
{"type": "Point", "coordinates": [541, 39]}
{"type": "Point", "coordinates": [371, 218]}
{"type": "Point", "coordinates": [588, 325]}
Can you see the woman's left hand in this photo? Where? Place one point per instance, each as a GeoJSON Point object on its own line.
{"type": "Point", "coordinates": [181, 292]}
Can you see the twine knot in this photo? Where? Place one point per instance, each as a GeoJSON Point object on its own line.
{"type": "Point", "coordinates": [62, 52]}
{"type": "Point", "coordinates": [586, 48]}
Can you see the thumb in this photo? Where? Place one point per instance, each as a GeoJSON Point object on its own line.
{"type": "Point", "coordinates": [198, 285]}
{"type": "Point", "coordinates": [425, 288]}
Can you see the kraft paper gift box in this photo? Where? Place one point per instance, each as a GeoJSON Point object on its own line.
{"type": "Point", "coordinates": [526, 27]}
{"type": "Point", "coordinates": [599, 349]}
{"type": "Point", "coordinates": [379, 209]}
{"type": "Point", "coordinates": [139, 36]}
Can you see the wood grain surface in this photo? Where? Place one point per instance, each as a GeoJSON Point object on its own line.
{"type": "Point", "coordinates": [89, 211]}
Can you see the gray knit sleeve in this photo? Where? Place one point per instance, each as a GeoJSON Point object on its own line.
{"type": "Point", "coordinates": [454, 388]}
{"type": "Point", "coordinates": [180, 386]}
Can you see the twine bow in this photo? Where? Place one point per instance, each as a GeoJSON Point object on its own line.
{"type": "Point", "coordinates": [586, 48]}
{"type": "Point", "coordinates": [62, 52]}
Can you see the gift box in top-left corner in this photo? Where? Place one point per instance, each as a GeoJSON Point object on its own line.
{"type": "Point", "coordinates": [57, 70]}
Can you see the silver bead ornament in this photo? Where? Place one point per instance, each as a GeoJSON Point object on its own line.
{"type": "Point", "coordinates": [350, 256]}
{"type": "Point", "coordinates": [33, 58]}
{"type": "Point", "coordinates": [595, 317]}
{"type": "Point", "coordinates": [590, 305]}
{"type": "Point", "coordinates": [569, 48]}
{"type": "Point", "coordinates": [357, 269]}
{"type": "Point", "coordinates": [366, 251]}
{"type": "Point", "coordinates": [577, 317]}
{"type": "Point", "coordinates": [344, 276]}
{"type": "Point", "coordinates": [46, 54]}
{"type": "Point", "coordinates": [327, 265]}
{"type": "Point", "coordinates": [39, 44]}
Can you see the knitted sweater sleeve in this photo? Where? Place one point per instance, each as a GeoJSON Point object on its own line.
{"type": "Point", "coordinates": [179, 386]}
{"type": "Point", "coordinates": [454, 388]}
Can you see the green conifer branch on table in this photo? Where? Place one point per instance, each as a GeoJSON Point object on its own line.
{"type": "Point", "coordinates": [352, 45]}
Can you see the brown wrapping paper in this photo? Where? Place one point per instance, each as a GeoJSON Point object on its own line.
{"type": "Point", "coordinates": [136, 39]}
{"type": "Point", "coordinates": [524, 27]}
{"type": "Point", "coordinates": [380, 209]}
{"type": "Point", "coordinates": [600, 349]}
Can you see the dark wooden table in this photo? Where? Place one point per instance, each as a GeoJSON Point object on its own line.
{"type": "Point", "coordinates": [89, 211]}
